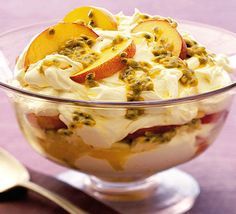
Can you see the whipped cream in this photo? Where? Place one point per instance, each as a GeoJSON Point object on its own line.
{"type": "Point", "coordinates": [180, 149]}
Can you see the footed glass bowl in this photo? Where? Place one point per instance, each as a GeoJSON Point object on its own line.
{"type": "Point", "coordinates": [110, 162]}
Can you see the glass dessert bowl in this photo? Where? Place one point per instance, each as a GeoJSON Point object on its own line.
{"type": "Point", "coordinates": [121, 145]}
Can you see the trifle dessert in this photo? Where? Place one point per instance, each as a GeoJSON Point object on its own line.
{"type": "Point", "coordinates": [116, 70]}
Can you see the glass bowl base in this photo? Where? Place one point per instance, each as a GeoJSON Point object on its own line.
{"type": "Point", "coordinates": [171, 191]}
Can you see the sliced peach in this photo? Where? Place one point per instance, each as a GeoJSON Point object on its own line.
{"type": "Point", "coordinates": [50, 40]}
{"type": "Point", "coordinates": [109, 63]}
{"type": "Point", "coordinates": [45, 122]}
{"type": "Point", "coordinates": [165, 32]}
{"type": "Point", "coordinates": [97, 17]}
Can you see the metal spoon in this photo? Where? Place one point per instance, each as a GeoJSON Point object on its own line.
{"type": "Point", "coordinates": [13, 173]}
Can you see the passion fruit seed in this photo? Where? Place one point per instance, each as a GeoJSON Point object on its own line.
{"type": "Point", "coordinates": [190, 42]}
{"type": "Point", "coordinates": [65, 132]}
{"type": "Point", "coordinates": [51, 31]}
{"type": "Point", "coordinates": [84, 38]}
{"type": "Point", "coordinates": [132, 63]}
{"type": "Point", "coordinates": [124, 61]}
{"type": "Point", "coordinates": [133, 113]}
{"type": "Point", "coordinates": [147, 36]}
{"type": "Point", "coordinates": [160, 138]}
{"type": "Point", "coordinates": [164, 57]}
{"type": "Point", "coordinates": [123, 54]}
{"type": "Point", "coordinates": [196, 50]}
{"type": "Point", "coordinates": [188, 78]}
{"type": "Point", "coordinates": [195, 124]}
{"type": "Point", "coordinates": [90, 42]}
{"type": "Point", "coordinates": [79, 50]}
{"type": "Point", "coordinates": [173, 62]}
{"type": "Point", "coordinates": [90, 80]}
{"type": "Point", "coordinates": [142, 84]}
{"type": "Point", "coordinates": [118, 39]}
{"type": "Point", "coordinates": [72, 126]}
{"type": "Point", "coordinates": [172, 22]}
{"type": "Point", "coordinates": [90, 14]}
{"type": "Point", "coordinates": [144, 16]}
{"type": "Point", "coordinates": [163, 41]}
{"type": "Point", "coordinates": [80, 21]}
{"type": "Point", "coordinates": [135, 85]}
{"type": "Point", "coordinates": [92, 23]}
{"type": "Point", "coordinates": [203, 59]}
{"type": "Point", "coordinates": [127, 74]}
{"type": "Point", "coordinates": [160, 51]}
{"type": "Point", "coordinates": [80, 118]}
{"type": "Point", "coordinates": [145, 64]}
{"type": "Point", "coordinates": [156, 30]}
{"type": "Point", "coordinates": [193, 49]}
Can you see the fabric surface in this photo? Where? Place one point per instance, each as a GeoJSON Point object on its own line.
{"type": "Point", "coordinates": [215, 170]}
{"type": "Point", "coordinates": [17, 200]}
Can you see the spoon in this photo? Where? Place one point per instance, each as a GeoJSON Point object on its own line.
{"type": "Point", "coordinates": [13, 173]}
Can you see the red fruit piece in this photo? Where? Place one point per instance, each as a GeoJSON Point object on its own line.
{"type": "Point", "coordinates": [213, 118]}
{"type": "Point", "coordinates": [202, 145]}
{"type": "Point", "coordinates": [183, 53]}
{"type": "Point", "coordinates": [45, 122]}
{"type": "Point", "coordinates": [155, 130]}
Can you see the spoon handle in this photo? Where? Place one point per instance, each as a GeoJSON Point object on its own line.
{"type": "Point", "coordinates": [65, 204]}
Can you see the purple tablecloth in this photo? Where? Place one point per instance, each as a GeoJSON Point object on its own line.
{"type": "Point", "coordinates": [215, 170]}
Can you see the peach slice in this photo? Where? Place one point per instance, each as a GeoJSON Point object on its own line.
{"type": "Point", "coordinates": [165, 32]}
{"type": "Point", "coordinates": [51, 39]}
{"type": "Point", "coordinates": [109, 63]}
{"type": "Point", "coordinates": [45, 122]}
{"type": "Point", "coordinates": [97, 17]}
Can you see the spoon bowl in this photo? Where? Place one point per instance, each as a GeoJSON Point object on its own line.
{"type": "Point", "coordinates": [13, 173]}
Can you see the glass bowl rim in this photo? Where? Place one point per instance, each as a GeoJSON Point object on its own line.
{"type": "Point", "coordinates": [114, 104]}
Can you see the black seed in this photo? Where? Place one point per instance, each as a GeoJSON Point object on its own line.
{"type": "Point", "coordinates": [123, 54]}
{"type": "Point", "coordinates": [90, 14]}
{"type": "Point", "coordinates": [51, 31]}
{"type": "Point", "coordinates": [124, 61]}
{"type": "Point", "coordinates": [147, 36]}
